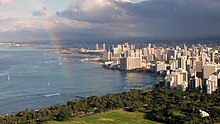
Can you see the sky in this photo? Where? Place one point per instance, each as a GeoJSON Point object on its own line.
{"type": "Point", "coordinates": [32, 20]}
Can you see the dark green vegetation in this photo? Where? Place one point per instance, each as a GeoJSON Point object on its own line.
{"type": "Point", "coordinates": [160, 104]}
{"type": "Point", "coordinates": [111, 117]}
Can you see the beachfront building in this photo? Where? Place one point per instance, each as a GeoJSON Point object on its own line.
{"type": "Point", "coordinates": [160, 66]}
{"type": "Point", "coordinates": [97, 46]}
{"type": "Point", "coordinates": [104, 47]}
{"type": "Point", "coordinates": [178, 79]}
{"type": "Point", "coordinates": [130, 63]}
{"type": "Point", "coordinates": [107, 56]}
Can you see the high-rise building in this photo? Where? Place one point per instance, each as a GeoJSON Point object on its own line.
{"type": "Point", "coordinates": [107, 56]}
{"type": "Point", "coordinates": [97, 46]}
{"type": "Point", "coordinates": [145, 52]}
{"type": "Point", "coordinates": [160, 66]}
{"type": "Point", "coordinates": [150, 57]}
{"type": "Point", "coordinates": [199, 66]}
{"type": "Point", "coordinates": [182, 62]}
{"type": "Point", "coordinates": [171, 54]}
{"type": "Point", "coordinates": [195, 83]}
{"type": "Point", "coordinates": [185, 53]}
{"type": "Point", "coordinates": [158, 53]}
{"type": "Point", "coordinates": [188, 66]}
{"type": "Point", "coordinates": [178, 79]}
{"type": "Point", "coordinates": [130, 63]}
{"type": "Point", "coordinates": [121, 48]}
{"type": "Point", "coordinates": [104, 47]}
{"type": "Point", "coordinates": [164, 57]}
{"type": "Point", "coordinates": [138, 52]}
{"type": "Point", "coordinates": [212, 84]}
{"type": "Point", "coordinates": [212, 57]}
{"type": "Point", "coordinates": [203, 57]}
{"type": "Point", "coordinates": [173, 64]}
{"type": "Point", "coordinates": [132, 46]}
{"type": "Point", "coordinates": [208, 70]}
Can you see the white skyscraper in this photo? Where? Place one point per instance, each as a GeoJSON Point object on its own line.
{"type": "Point", "coordinates": [97, 46]}
{"type": "Point", "coordinates": [104, 47]}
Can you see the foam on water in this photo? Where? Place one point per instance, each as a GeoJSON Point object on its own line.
{"type": "Point", "coordinates": [53, 94]}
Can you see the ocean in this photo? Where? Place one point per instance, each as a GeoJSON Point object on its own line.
{"type": "Point", "coordinates": [30, 78]}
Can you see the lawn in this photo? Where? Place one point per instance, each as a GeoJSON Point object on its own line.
{"type": "Point", "coordinates": [112, 117]}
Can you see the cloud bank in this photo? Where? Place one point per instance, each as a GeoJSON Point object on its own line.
{"type": "Point", "coordinates": [152, 17]}
{"type": "Point", "coordinates": [122, 18]}
{"type": "Point", "coordinates": [98, 11]}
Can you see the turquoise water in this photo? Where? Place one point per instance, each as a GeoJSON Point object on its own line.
{"type": "Point", "coordinates": [38, 80]}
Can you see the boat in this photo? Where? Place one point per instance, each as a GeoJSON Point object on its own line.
{"type": "Point", "coordinates": [8, 77]}
{"type": "Point", "coordinates": [60, 63]}
{"type": "Point", "coordinates": [48, 83]}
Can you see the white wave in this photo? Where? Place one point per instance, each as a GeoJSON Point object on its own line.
{"type": "Point", "coordinates": [53, 94]}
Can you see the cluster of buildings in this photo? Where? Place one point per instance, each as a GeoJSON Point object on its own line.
{"type": "Point", "coordinates": [184, 68]}
{"type": "Point", "coordinates": [97, 49]}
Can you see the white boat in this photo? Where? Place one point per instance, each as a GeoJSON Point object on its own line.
{"type": "Point", "coordinates": [48, 83]}
{"type": "Point", "coordinates": [9, 77]}
{"type": "Point", "coordinates": [60, 63]}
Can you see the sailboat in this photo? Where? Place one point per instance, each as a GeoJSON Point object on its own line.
{"type": "Point", "coordinates": [8, 77]}
{"type": "Point", "coordinates": [60, 63]}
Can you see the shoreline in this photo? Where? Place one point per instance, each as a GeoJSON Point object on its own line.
{"type": "Point", "coordinates": [128, 89]}
{"type": "Point", "coordinates": [95, 59]}
{"type": "Point", "coordinates": [140, 70]}
{"type": "Point", "coordinates": [103, 94]}
{"type": "Point", "coordinates": [131, 101]}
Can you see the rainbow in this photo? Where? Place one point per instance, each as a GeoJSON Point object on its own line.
{"type": "Point", "coordinates": [56, 41]}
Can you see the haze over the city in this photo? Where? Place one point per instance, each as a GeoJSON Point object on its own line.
{"type": "Point", "coordinates": [28, 20]}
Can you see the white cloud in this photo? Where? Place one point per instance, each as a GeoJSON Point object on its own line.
{"type": "Point", "coordinates": [42, 12]}
{"type": "Point", "coordinates": [121, 18]}
{"type": "Point", "coordinates": [5, 2]}
{"type": "Point", "coordinates": [100, 11]}
{"type": "Point", "coordinates": [10, 24]}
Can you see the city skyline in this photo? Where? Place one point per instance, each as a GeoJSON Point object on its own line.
{"type": "Point", "coordinates": [96, 60]}
{"type": "Point", "coordinates": [183, 67]}
{"type": "Point", "coordinates": [87, 19]}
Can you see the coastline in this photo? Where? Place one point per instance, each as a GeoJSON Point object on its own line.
{"type": "Point", "coordinates": [140, 70]}
{"type": "Point", "coordinates": [83, 58]}
{"type": "Point", "coordinates": [45, 62]}
{"type": "Point", "coordinates": [96, 59]}
{"type": "Point", "coordinates": [150, 102]}
{"type": "Point", "coordinates": [51, 82]}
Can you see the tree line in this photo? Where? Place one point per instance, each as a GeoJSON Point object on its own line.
{"type": "Point", "coordinates": [163, 105]}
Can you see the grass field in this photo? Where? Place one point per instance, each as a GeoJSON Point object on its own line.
{"type": "Point", "coordinates": [112, 117]}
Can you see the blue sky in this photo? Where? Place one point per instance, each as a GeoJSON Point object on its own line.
{"type": "Point", "coordinates": [25, 20]}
